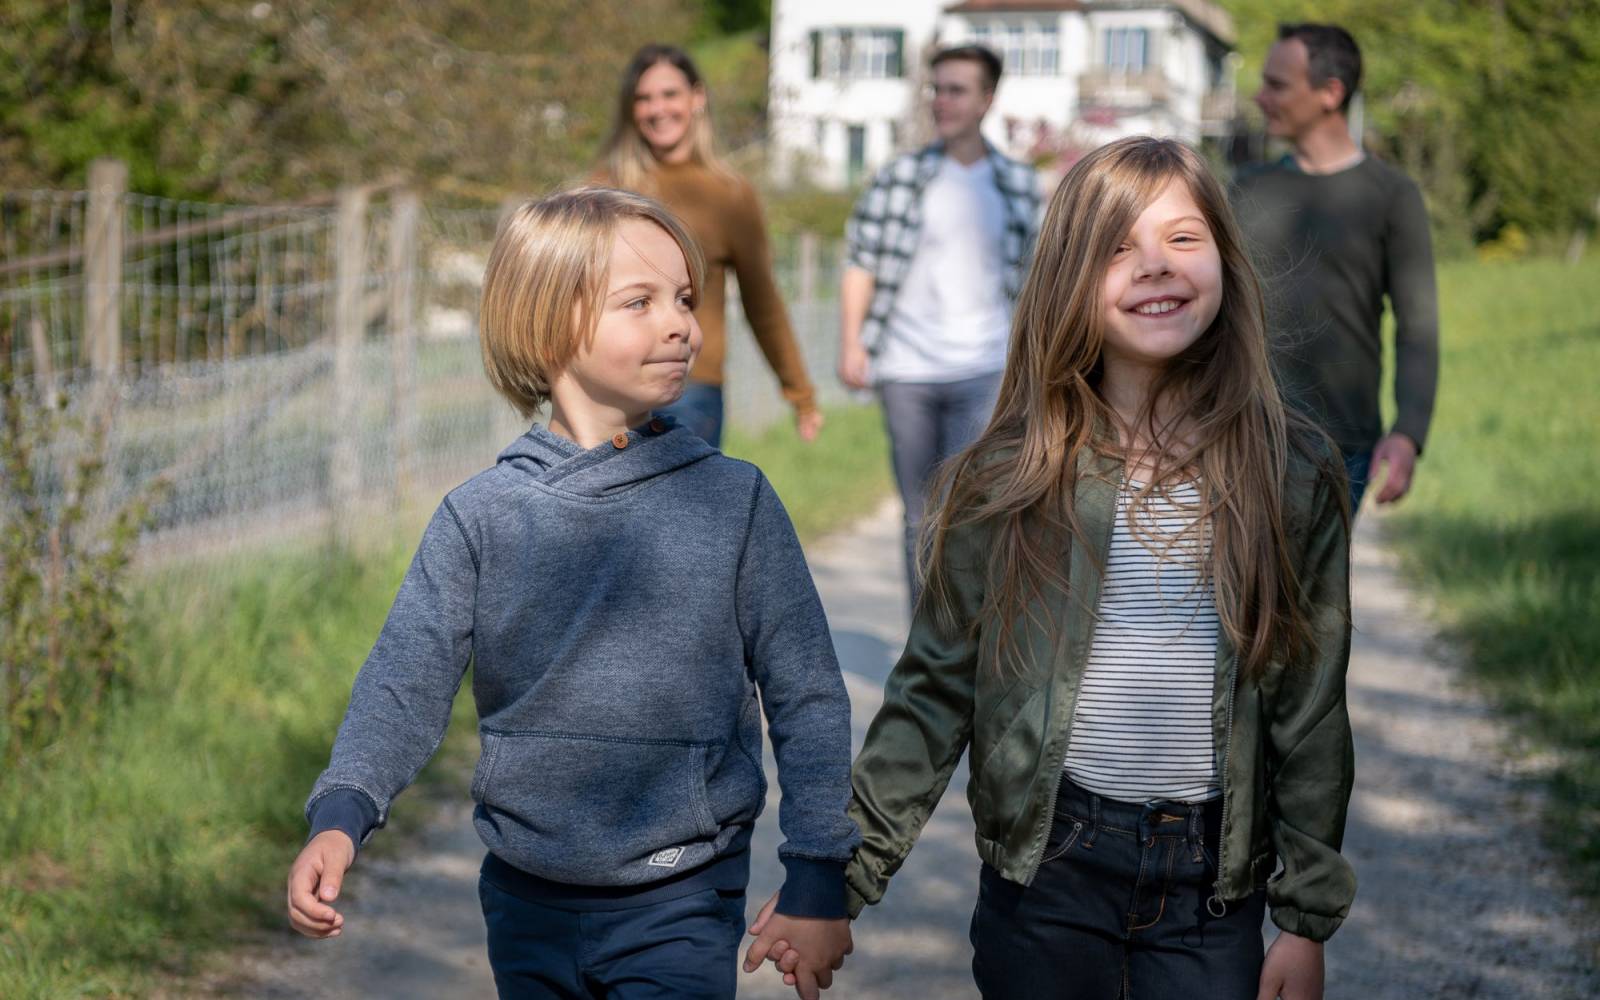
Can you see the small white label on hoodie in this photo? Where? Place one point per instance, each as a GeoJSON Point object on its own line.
{"type": "Point", "coordinates": [667, 857]}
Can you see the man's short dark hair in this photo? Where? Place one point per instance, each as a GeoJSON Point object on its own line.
{"type": "Point", "coordinates": [979, 54]}
{"type": "Point", "coordinates": [1333, 54]}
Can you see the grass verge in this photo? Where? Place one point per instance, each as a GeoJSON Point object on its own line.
{"type": "Point", "coordinates": [130, 852]}
{"type": "Point", "coordinates": [1503, 526]}
{"type": "Point", "coordinates": [839, 478]}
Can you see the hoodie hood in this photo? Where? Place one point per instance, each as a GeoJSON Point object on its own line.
{"type": "Point", "coordinates": [660, 447]}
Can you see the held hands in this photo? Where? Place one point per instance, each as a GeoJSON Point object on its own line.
{"type": "Point", "coordinates": [314, 881]}
{"type": "Point", "coordinates": [808, 951]}
{"type": "Point", "coordinates": [1399, 453]}
{"type": "Point", "coordinates": [1292, 970]}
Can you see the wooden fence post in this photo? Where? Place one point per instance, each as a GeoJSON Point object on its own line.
{"type": "Point", "coordinates": [102, 268]}
{"type": "Point", "coordinates": [809, 253]}
{"type": "Point", "coordinates": [350, 253]}
{"type": "Point", "coordinates": [404, 211]}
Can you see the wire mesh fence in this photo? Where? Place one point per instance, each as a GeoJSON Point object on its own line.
{"type": "Point", "coordinates": [290, 370]}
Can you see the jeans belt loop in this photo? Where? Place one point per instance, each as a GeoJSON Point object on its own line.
{"type": "Point", "coordinates": [1197, 814]}
{"type": "Point", "coordinates": [1094, 821]}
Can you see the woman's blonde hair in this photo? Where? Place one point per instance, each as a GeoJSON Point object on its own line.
{"type": "Point", "coordinates": [546, 280]}
{"type": "Point", "coordinates": [1228, 427]}
{"type": "Point", "coordinates": [627, 160]}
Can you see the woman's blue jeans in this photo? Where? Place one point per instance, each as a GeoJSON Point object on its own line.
{"type": "Point", "coordinates": [700, 410]}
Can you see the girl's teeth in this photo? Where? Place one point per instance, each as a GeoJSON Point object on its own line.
{"type": "Point", "coordinates": [1157, 308]}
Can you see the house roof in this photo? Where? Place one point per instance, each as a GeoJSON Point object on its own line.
{"type": "Point", "coordinates": [984, 6]}
{"type": "Point", "coordinates": [1208, 15]}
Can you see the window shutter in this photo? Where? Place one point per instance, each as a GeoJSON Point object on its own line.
{"type": "Point", "coordinates": [897, 68]}
{"type": "Point", "coordinates": [816, 54]}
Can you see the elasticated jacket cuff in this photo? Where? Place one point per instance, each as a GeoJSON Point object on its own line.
{"type": "Point", "coordinates": [812, 888]}
{"type": "Point", "coordinates": [854, 902]}
{"type": "Point", "coordinates": [1312, 926]}
{"type": "Point", "coordinates": [346, 810]}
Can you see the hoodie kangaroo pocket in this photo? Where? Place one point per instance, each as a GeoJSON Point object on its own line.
{"type": "Point", "coordinates": [594, 810]}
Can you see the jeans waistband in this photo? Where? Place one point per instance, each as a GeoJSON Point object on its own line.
{"type": "Point", "coordinates": [1197, 822]}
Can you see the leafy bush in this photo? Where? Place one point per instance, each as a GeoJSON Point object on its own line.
{"type": "Point", "coordinates": [63, 565]}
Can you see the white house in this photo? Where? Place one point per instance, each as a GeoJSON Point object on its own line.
{"type": "Point", "coordinates": [848, 77]}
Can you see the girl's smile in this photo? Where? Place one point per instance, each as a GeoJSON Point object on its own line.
{"type": "Point", "coordinates": [1163, 286]}
{"type": "Point", "coordinates": [1159, 307]}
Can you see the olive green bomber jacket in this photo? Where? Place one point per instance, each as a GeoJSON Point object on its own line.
{"type": "Point", "coordinates": [1283, 743]}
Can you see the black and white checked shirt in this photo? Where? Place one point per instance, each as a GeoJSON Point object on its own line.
{"type": "Point", "coordinates": [886, 223]}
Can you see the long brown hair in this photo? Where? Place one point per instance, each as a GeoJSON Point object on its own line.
{"type": "Point", "coordinates": [1227, 427]}
{"type": "Point", "coordinates": [627, 160]}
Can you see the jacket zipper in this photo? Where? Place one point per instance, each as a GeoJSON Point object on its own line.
{"type": "Point", "coordinates": [1050, 822]}
{"type": "Point", "coordinates": [1061, 764]}
{"type": "Point", "coordinates": [1216, 905]}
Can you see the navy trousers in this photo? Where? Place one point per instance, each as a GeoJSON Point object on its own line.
{"type": "Point", "coordinates": [678, 948]}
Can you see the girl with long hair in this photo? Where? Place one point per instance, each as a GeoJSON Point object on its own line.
{"type": "Point", "coordinates": [661, 145]}
{"type": "Point", "coordinates": [1137, 619]}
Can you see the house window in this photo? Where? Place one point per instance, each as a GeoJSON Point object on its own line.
{"type": "Point", "coordinates": [1024, 48]}
{"type": "Point", "coordinates": [1049, 51]}
{"type": "Point", "coordinates": [856, 164]}
{"type": "Point", "coordinates": [1127, 49]}
{"type": "Point", "coordinates": [858, 54]}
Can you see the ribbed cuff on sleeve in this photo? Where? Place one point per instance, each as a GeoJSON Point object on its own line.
{"type": "Point", "coordinates": [345, 810]}
{"type": "Point", "coordinates": [812, 888]}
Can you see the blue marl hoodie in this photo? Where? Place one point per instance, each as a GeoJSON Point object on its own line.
{"type": "Point", "coordinates": [622, 607]}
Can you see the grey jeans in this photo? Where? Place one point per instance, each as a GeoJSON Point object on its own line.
{"type": "Point", "coordinates": [928, 423]}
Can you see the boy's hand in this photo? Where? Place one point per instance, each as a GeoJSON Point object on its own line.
{"type": "Point", "coordinates": [1292, 970]}
{"type": "Point", "coordinates": [314, 881]}
{"type": "Point", "coordinates": [807, 950]}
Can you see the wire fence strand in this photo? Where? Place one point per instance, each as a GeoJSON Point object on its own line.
{"type": "Point", "coordinates": [278, 391]}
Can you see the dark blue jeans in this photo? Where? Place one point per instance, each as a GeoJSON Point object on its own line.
{"type": "Point", "coordinates": [928, 422]}
{"type": "Point", "coordinates": [686, 947]}
{"type": "Point", "coordinates": [1118, 910]}
{"type": "Point", "coordinates": [1359, 469]}
{"type": "Point", "coordinates": [700, 410]}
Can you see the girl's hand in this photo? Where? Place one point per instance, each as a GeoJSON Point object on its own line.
{"type": "Point", "coordinates": [1292, 970]}
{"type": "Point", "coordinates": [314, 881]}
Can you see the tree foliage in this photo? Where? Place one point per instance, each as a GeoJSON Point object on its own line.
{"type": "Point", "coordinates": [1489, 103]}
{"type": "Point", "coordinates": [222, 99]}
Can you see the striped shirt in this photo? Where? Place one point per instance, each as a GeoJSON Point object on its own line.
{"type": "Point", "coordinates": [1141, 730]}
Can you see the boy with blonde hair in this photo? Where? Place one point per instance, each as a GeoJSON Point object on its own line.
{"type": "Point", "coordinates": [630, 599]}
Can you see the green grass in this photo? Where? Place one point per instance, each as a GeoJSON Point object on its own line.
{"type": "Point", "coordinates": [131, 849]}
{"type": "Point", "coordinates": [840, 477]}
{"type": "Point", "coordinates": [130, 853]}
{"type": "Point", "coordinates": [1503, 526]}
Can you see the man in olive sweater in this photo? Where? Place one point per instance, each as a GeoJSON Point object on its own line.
{"type": "Point", "coordinates": [1334, 231]}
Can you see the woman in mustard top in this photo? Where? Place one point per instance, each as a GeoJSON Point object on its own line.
{"type": "Point", "coordinates": [661, 145]}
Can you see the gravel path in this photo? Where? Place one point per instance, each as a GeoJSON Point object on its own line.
{"type": "Point", "coordinates": [1458, 897]}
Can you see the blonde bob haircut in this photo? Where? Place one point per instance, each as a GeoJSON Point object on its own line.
{"type": "Point", "coordinates": [546, 282]}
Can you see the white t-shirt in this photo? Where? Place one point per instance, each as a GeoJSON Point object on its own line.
{"type": "Point", "coordinates": [951, 318]}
